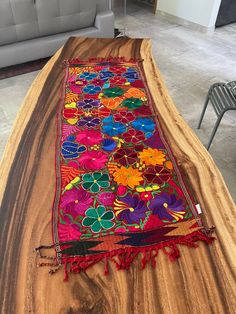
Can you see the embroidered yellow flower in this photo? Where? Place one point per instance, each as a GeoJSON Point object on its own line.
{"type": "Point", "coordinates": [128, 176]}
{"type": "Point", "coordinates": [152, 156]}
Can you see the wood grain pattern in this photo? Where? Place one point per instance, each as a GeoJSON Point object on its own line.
{"type": "Point", "coordinates": [201, 281]}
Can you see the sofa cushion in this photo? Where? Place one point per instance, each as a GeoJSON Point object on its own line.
{"type": "Point", "coordinates": [26, 19]}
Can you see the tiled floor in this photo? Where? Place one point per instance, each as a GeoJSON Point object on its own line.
{"type": "Point", "coordinates": [190, 62]}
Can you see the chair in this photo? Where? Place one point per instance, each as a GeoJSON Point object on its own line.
{"type": "Point", "coordinates": [223, 99]}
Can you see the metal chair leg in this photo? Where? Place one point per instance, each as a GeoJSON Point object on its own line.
{"type": "Point", "coordinates": [204, 108]}
{"type": "Point", "coordinates": [214, 131]}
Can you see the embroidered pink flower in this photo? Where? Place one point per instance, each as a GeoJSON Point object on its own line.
{"type": "Point", "coordinates": [68, 232]}
{"type": "Point", "coordinates": [73, 164]}
{"type": "Point", "coordinates": [89, 137]}
{"type": "Point", "coordinates": [106, 198]}
{"type": "Point", "coordinates": [121, 190]}
{"type": "Point", "coordinates": [75, 87]}
{"type": "Point", "coordinates": [75, 202]}
{"type": "Point", "coordinates": [93, 160]}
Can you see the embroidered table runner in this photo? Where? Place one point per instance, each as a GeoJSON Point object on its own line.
{"type": "Point", "coordinates": [119, 191]}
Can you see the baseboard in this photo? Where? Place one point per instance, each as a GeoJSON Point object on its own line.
{"type": "Point", "coordinates": [188, 24]}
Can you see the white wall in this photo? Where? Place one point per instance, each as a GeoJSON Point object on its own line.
{"type": "Point", "coordinates": [202, 12]}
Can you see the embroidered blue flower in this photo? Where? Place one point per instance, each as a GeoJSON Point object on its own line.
{"type": "Point", "coordinates": [92, 89]}
{"type": "Point", "coordinates": [105, 75]}
{"type": "Point", "coordinates": [131, 75]}
{"type": "Point", "coordinates": [71, 150]}
{"type": "Point", "coordinates": [108, 144]}
{"type": "Point", "coordinates": [108, 119]}
{"type": "Point", "coordinates": [144, 124]}
{"type": "Point", "coordinates": [113, 129]}
{"type": "Point", "coordinates": [88, 76]}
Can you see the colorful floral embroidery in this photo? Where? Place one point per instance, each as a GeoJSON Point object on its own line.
{"type": "Point", "coordinates": [117, 176]}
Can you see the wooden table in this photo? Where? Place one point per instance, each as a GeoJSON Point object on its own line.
{"type": "Point", "coordinates": [201, 281]}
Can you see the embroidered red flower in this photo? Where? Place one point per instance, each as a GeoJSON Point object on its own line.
{"type": "Point", "coordinates": [143, 111]}
{"type": "Point", "coordinates": [97, 82]}
{"type": "Point", "coordinates": [125, 156]}
{"type": "Point", "coordinates": [137, 83]}
{"type": "Point", "coordinates": [117, 80]}
{"type": "Point", "coordinates": [88, 96]}
{"type": "Point", "coordinates": [118, 70]}
{"type": "Point", "coordinates": [153, 222]}
{"type": "Point", "coordinates": [133, 136]}
{"type": "Point", "coordinates": [99, 68]}
{"type": "Point", "coordinates": [157, 174]}
{"type": "Point", "coordinates": [146, 196]}
{"type": "Point", "coordinates": [101, 112]}
{"type": "Point", "coordinates": [124, 116]}
{"type": "Point", "coordinates": [71, 113]}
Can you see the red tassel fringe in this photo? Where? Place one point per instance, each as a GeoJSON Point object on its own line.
{"type": "Point", "coordinates": [123, 258]}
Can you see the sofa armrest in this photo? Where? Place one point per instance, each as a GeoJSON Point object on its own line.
{"type": "Point", "coordinates": [105, 22]}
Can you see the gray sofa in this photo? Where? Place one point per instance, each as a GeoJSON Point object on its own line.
{"type": "Point", "coordinates": [34, 29]}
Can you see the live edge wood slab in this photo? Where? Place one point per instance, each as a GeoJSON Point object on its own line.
{"type": "Point", "coordinates": [201, 281]}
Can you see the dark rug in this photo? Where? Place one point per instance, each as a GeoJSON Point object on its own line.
{"type": "Point", "coordinates": [23, 68]}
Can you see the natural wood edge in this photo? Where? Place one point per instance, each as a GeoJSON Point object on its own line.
{"type": "Point", "coordinates": [23, 116]}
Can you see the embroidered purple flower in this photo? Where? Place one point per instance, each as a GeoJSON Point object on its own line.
{"type": "Point", "coordinates": [107, 198]}
{"type": "Point", "coordinates": [155, 141]}
{"type": "Point", "coordinates": [167, 207]}
{"type": "Point", "coordinates": [88, 103]}
{"type": "Point", "coordinates": [92, 89]}
{"type": "Point", "coordinates": [130, 208]}
{"type": "Point", "coordinates": [88, 76]}
{"type": "Point", "coordinates": [75, 202]}
{"type": "Point", "coordinates": [89, 122]}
